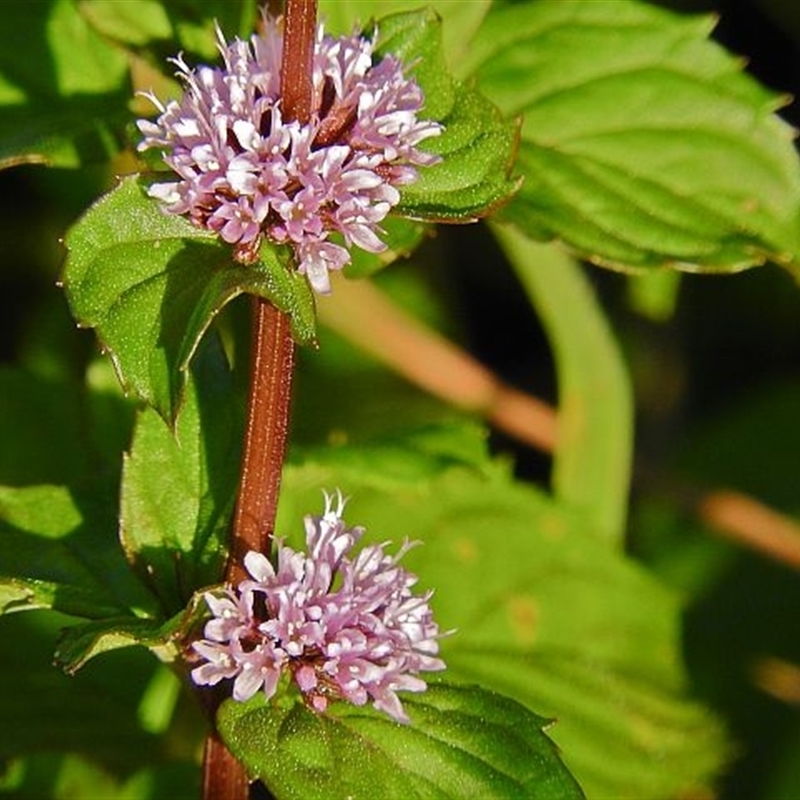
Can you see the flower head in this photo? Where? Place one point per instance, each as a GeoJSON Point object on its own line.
{"type": "Point", "coordinates": [342, 626]}
{"type": "Point", "coordinates": [245, 173]}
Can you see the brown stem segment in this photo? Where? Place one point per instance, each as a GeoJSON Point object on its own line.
{"type": "Point", "coordinates": [299, 34]}
{"type": "Point", "coordinates": [266, 432]}
{"type": "Point", "coordinates": [224, 777]}
{"type": "Point", "coordinates": [272, 366]}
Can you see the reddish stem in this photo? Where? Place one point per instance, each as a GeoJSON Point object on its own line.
{"type": "Point", "coordinates": [224, 777]}
{"type": "Point", "coordinates": [266, 432]}
{"type": "Point", "coordinates": [299, 34]}
{"type": "Point", "coordinates": [272, 366]}
{"type": "Point", "coordinates": [273, 349]}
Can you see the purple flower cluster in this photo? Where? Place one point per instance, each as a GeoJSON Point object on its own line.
{"type": "Point", "coordinates": [245, 173]}
{"type": "Point", "coordinates": [344, 627]}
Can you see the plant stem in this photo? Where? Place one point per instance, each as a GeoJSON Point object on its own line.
{"type": "Point", "coordinates": [266, 432]}
{"type": "Point", "coordinates": [224, 777]}
{"type": "Point", "coordinates": [299, 34]}
{"type": "Point", "coordinates": [271, 370]}
{"type": "Point", "coordinates": [272, 359]}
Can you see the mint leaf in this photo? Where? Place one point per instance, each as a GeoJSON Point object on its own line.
{"type": "Point", "coordinates": [151, 284]}
{"type": "Point", "coordinates": [462, 742]}
{"type": "Point", "coordinates": [33, 594]}
{"type": "Point", "coordinates": [80, 643]}
{"type": "Point", "coordinates": [460, 20]}
{"type": "Point", "coordinates": [476, 146]}
{"type": "Point", "coordinates": [186, 25]}
{"type": "Point", "coordinates": [64, 90]}
{"type": "Point", "coordinates": [643, 144]}
{"type": "Point", "coordinates": [179, 486]}
{"type": "Point", "coordinates": [544, 610]}
{"type": "Point", "coordinates": [626, 723]}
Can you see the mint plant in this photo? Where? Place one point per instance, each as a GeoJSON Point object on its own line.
{"type": "Point", "coordinates": [287, 153]}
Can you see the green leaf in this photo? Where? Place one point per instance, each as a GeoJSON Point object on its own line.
{"type": "Point", "coordinates": [179, 487]}
{"type": "Point", "coordinates": [80, 643]}
{"type": "Point", "coordinates": [614, 727]}
{"type": "Point", "coordinates": [59, 550]}
{"type": "Point", "coordinates": [643, 143]}
{"type": "Point", "coordinates": [544, 610]}
{"type": "Point", "coordinates": [133, 24]}
{"type": "Point", "coordinates": [460, 20]}
{"type": "Point", "coordinates": [182, 25]}
{"type": "Point", "coordinates": [476, 146]}
{"type": "Point", "coordinates": [592, 460]}
{"type": "Point", "coordinates": [64, 90]}
{"type": "Point", "coordinates": [462, 742]}
{"type": "Point", "coordinates": [392, 463]}
{"type": "Point", "coordinates": [33, 594]}
{"type": "Point", "coordinates": [151, 284]}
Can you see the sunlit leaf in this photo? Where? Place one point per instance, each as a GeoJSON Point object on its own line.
{"type": "Point", "coordinates": [462, 742]}
{"type": "Point", "coordinates": [130, 23]}
{"type": "Point", "coordinates": [623, 734]}
{"type": "Point", "coordinates": [643, 143]}
{"type": "Point", "coordinates": [541, 605]}
{"type": "Point", "coordinates": [184, 25]}
{"type": "Point", "coordinates": [80, 643]}
{"type": "Point", "coordinates": [476, 146]}
{"type": "Point", "coordinates": [151, 284]}
{"type": "Point", "coordinates": [460, 20]}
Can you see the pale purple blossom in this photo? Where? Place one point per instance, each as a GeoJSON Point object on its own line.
{"type": "Point", "coordinates": [342, 626]}
{"type": "Point", "coordinates": [245, 173]}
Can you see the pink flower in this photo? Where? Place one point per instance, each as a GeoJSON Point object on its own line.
{"type": "Point", "coordinates": [246, 174]}
{"type": "Point", "coordinates": [342, 627]}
